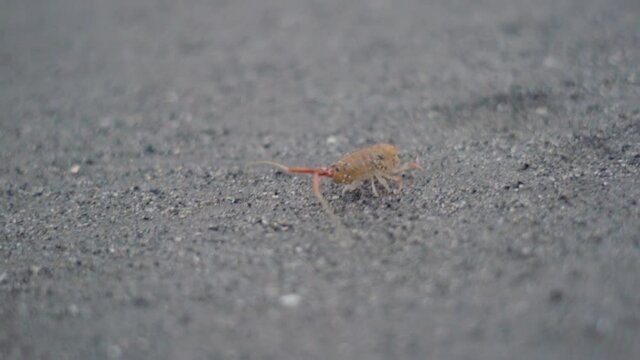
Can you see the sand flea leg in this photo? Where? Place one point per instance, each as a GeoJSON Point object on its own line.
{"type": "Point", "coordinates": [408, 166]}
{"type": "Point", "coordinates": [315, 182]}
{"type": "Point", "coordinates": [373, 186]}
{"type": "Point", "coordinates": [396, 178]}
{"type": "Point", "coordinates": [350, 187]}
{"type": "Point", "coordinates": [384, 183]}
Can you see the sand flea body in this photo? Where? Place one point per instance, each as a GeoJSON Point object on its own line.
{"type": "Point", "coordinates": [378, 162]}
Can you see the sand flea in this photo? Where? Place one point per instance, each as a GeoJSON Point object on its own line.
{"type": "Point", "coordinates": [378, 162]}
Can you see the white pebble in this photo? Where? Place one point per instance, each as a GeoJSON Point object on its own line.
{"type": "Point", "coordinates": [332, 140]}
{"type": "Point", "coordinates": [114, 351]}
{"type": "Point", "coordinates": [290, 300]}
{"type": "Point", "coordinates": [551, 62]}
{"type": "Point", "coordinates": [73, 309]}
{"type": "Point", "coordinates": [542, 110]}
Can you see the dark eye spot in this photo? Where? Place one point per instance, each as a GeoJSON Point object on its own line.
{"type": "Point", "coordinates": [380, 157]}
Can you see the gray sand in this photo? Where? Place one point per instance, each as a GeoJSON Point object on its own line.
{"type": "Point", "coordinates": [129, 227]}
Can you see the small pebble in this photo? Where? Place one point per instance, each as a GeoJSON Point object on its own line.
{"type": "Point", "coordinates": [331, 140]}
{"type": "Point", "coordinates": [171, 97]}
{"type": "Point", "coordinates": [556, 295]}
{"type": "Point", "coordinates": [290, 300]}
{"type": "Point", "coordinates": [542, 110]}
{"type": "Point", "coordinates": [114, 351]}
{"type": "Point", "coordinates": [603, 326]}
{"type": "Point", "coordinates": [73, 309]}
{"type": "Point", "coordinates": [551, 62]}
{"type": "Point", "coordinates": [75, 168]}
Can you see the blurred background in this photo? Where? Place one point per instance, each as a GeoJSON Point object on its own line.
{"type": "Point", "coordinates": [130, 228]}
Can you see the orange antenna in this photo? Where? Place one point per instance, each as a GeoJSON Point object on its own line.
{"type": "Point", "coordinates": [293, 169]}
